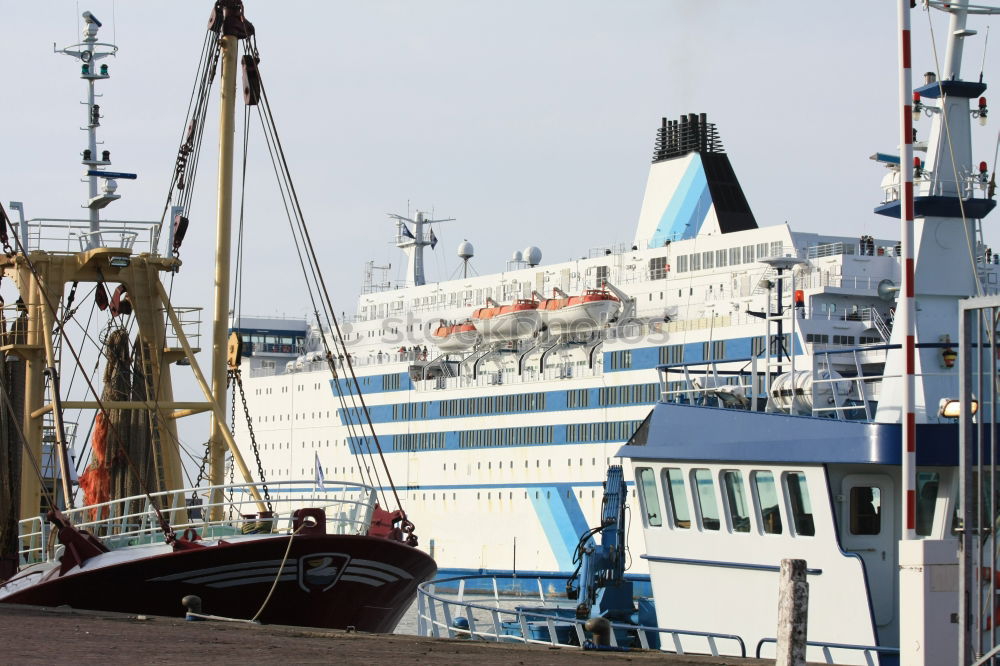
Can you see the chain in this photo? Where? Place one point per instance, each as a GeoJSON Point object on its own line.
{"type": "Point", "coordinates": [234, 373]}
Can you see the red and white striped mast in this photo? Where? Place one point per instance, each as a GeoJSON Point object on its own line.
{"type": "Point", "coordinates": [905, 310]}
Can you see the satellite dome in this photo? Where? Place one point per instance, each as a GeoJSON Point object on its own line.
{"type": "Point", "coordinates": [517, 256]}
{"type": "Point", "coordinates": [465, 250]}
{"type": "Point", "coordinates": [532, 255]}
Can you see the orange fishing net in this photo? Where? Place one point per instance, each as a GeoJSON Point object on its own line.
{"type": "Point", "coordinates": [96, 480]}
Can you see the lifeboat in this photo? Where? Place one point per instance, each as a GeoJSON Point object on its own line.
{"type": "Point", "coordinates": [456, 337]}
{"type": "Point", "coordinates": [507, 322]}
{"type": "Point", "coordinates": [574, 314]}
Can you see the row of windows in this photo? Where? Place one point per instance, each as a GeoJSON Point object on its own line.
{"type": "Point", "coordinates": [390, 382]}
{"type": "Point", "coordinates": [748, 507]}
{"type": "Point", "coordinates": [733, 256]}
{"type": "Point", "coordinates": [521, 402]}
{"type": "Point", "coordinates": [418, 441]}
{"type": "Point", "coordinates": [601, 432]}
{"type": "Point", "coordinates": [474, 439]}
{"type": "Point", "coordinates": [628, 395]}
{"type": "Point", "coordinates": [620, 360]}
{"type": "Point", "coordinates": [823, 338]}
{"type": "Point", "coordinates": [578, 398]}
{"type": "Point", "coordinates": [408, 411]}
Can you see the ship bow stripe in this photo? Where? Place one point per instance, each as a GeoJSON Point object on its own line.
{"type": "Point", "coordinates": [374, 582]}
{"type": "Point", "coordinates": [212, 570]}
{"type": "Point", "coordinates": [382, 566]}
{"type": "Point", "coordinates": [365, 571]}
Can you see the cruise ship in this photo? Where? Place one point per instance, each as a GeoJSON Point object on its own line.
{"type": "Point", "coordinates": [500, 399]}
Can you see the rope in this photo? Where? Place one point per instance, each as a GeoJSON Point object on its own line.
{"type": "Point", "coordinates": [281, 568]}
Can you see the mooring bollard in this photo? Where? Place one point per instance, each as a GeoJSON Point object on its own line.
{"type": "Point", "coordinates": [793, 614]}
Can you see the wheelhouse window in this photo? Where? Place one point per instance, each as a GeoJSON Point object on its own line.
{"type": "Point", "coordinates": [650, 500]}
{"type": "Point", "coordinates": [866, 510]}
{"type": "Point", "coordinates": [927, 493]}
{"type": "Point", "coordinates": [738, 508]}
{"type": "Point", "coordinates": [798, 501]}
{"type": "Point", "coordinates": [708, 508]}
{"type": "Point", "coordinates": [673, 490]}
{"type": "Point", "coordinates": [767, 500]}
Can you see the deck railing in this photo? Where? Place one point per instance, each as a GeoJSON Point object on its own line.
{"type": "Point", "coordinates": [441, 617]}
{"type": "Point", "coordinates": [832, 650]}
{"type": "Point", "coordinates": [132, 520]}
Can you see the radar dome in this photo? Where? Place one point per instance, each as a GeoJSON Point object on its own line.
{"type": "Point", "coordinates": [517, 256]}
{"type": "Point", "coordinates": [532, 255]}
{"type": "Point", "coordinates": [465, 250]}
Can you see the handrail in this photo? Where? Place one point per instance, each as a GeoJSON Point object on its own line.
{"type": "Point", "coordinates": [878, 649]}
{"type": "Point", "coordinates": [429, 624]}
{"type": "Point", "coordinates": [131, 521]}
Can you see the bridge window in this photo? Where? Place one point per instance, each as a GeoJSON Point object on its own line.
{"type": "Point", "coordinates": [650, 500]}
{"type": "Point", "coordinates": [798, 500]}
{"type": "Point", "coordinates": [673, 490]}
{"type": "Point", "coordinates": [927, 492]}
{"type": "Point", "coordinates": [767, 500]}
{"type": "Point", "coordinates": [738, 509]}
{"type": "Point", "coordinates": [708, 508]}
{"type": "Point", "coordinates": [866, 510]}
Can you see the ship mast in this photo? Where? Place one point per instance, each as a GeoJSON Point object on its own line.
{"type": "Point", "coordinates": [233, 29]}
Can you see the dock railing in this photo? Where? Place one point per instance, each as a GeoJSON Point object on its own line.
{"type": "Point", "coordinates": [132, 520]}
{"type": "Point", "coordinates": [832, 651]}
{"type": "Point", "coordinates": [439, 616]}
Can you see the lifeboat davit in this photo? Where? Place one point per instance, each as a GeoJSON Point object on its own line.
{"type": "Point", "coordinates": [507, 322]}
{"type": "Point", "coordinates": [575, 314]}
{"type": "Point", "coordinates": [456, 337]}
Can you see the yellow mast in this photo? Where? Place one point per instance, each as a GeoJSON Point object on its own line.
{"type": "Point", "coordinates": [220, 324]}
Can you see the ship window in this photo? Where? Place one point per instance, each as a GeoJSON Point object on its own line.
{"type": "Point", "coordinates": [767, 500]}
{"type": "Point", "coordinates": [748, 254]}
{"type": "Point", "coordinates": [720, 258]}
{"type": "Point", "coordinates": [734, 256]}
{"type": "Point", "coordinates": [708, 260]}
{"type": "Point", "coordinates": [708, 508]}
{"type": "Point", "coordinates": [927, 492]}
{"type": "Point", "coordinates": [737, 507]}
{"type": "Point", "coordinates": [650, 500]}
{"type": "Point", "coordinates": [673, 490]}
{"type": "Point", "coordinates": [682, 263]}
{"type": "Point", "coordinates": [798, 500]}
{"type": "Point", "coordinates": [695, 262]}
{"type": "Point", "coordinates": [762, 251]}
{"type": "Point", "coordinates": [866, 510]}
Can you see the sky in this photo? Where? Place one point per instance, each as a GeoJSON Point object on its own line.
{"type": "Point", "coordinates": [531, 123]}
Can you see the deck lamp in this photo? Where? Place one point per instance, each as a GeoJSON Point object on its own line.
{"type": "Point", "coordinates": [948, 356]}
{"type": "Point", "coordinates": [981, 112]}
{"type": "Point", "coordinates": [104, 70]}
{"type": "Point", "coordinates": [950, 408]}
{"type": "Point", "coordinates": [917, 106]}
{"type": "Point", "coordinates": [918, 167]}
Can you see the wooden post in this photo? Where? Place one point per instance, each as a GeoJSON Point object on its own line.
{"type": "Point", "coordinates": [793, 614]}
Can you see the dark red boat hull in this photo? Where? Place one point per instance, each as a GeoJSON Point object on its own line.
{"type": "Point", "coordinates": [330, 581]}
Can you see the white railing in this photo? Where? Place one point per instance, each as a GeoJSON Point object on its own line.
{"type": "Point", "coordinates": [441, 617]}
{"type": "Point", "coordinates": [71, 236]}
{"type": "Point", "coordinates": [133, 521]}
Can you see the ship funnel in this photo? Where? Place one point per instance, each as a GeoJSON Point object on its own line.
{"type": "Point", "coordinates": [692, 188]}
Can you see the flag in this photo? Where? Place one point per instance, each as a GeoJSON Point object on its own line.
{"type": "Point", "coordinates": [403, 229]}
{"type": "Point", "coordinates": [318, 483]}
{"type": "Point", "coordinates": [434, 240]}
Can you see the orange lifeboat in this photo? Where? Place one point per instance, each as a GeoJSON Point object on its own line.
{"type": "Point", "coordinates": [575, 314]}
{"type": "Point", "coordinates": [507, 322]}
{"type": "Point", "coordinates": [456, 337]}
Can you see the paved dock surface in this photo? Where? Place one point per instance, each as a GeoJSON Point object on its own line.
{"type": "Point", "coordinates": [63, 635]}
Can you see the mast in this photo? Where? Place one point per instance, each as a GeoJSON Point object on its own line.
{"type": "Point", "coordinates": [413, 244]}
{"type": "Point", "coordinates": [233, 28]}
{"type": "Point", "coordinates": [906, 302]}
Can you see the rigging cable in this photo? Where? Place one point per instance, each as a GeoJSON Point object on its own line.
{"type": "Point", "coordinates": [321, 286]}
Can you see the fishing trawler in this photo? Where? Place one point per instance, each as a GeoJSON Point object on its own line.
{"type": "Point", "coordinates": [319, 553]}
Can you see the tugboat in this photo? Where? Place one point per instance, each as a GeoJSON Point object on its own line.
{"type": "Point", "coordinates": [314, 553]}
